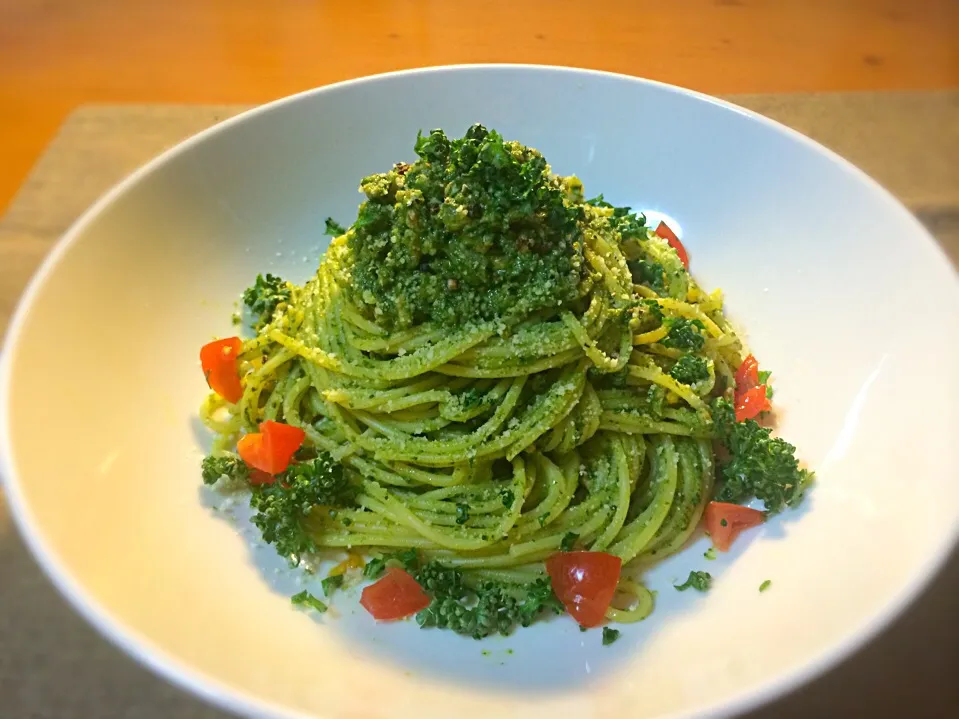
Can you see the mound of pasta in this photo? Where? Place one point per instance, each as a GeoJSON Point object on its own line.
{"type": "Point", "coordinates": [498, 399]}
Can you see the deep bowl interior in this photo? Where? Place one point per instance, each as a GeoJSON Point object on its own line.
{"type": "Point", "coordinates": [841, 293]}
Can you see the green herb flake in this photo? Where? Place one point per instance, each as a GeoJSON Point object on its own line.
{"type": "Point", "coordinates": [305, 599]}
{"type": "Point", "coordinates": [610, 636]}
{"type": "Point", "coordinates": [334, 228]}
{"type": "Point", "coordinates": [686, 335]}
{"type": "Point", "coordinates": [700, 581]}
{"type": "Point", "coordinates": [710, 553]}
{"type": "Point", "coordinates": [226, 465]}
{"type": "Point", "coordinates": [690, 369]}
{"type": "Point", "coordinates": [264, 296]}
{"type": "Point", "coordinates": [408, 558]}
{"type": "Point", "coordinates": [569, 541]}
{"type": "Point", "coordinates": [374, 568]}
{"type": "Point", "coordinates": [331, 584]}
{"type": "Point", "coordinates": [765, 585]}
{"type": "Point", "coordinates": [648, 273]}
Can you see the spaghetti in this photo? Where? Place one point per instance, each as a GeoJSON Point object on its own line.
{"type": "Point", "coordinates": [490, 443]}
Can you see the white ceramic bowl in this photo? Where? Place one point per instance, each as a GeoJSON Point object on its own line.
{"type": "Point", "coordinates": [842, 292]}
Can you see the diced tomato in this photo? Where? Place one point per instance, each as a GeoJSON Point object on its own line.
{"type": "Point", "coordinates": [272, 448]}
{"type": "Point", "coordinates": [725, 521]}
{"type": "Point", "coordinates": [250, 449]}
{"type": "Point", "coordinates": [585, 583]}
{"type": "Point", "coordinates": [751, 403]}
{"type": "Point", "coordinates": [258, 477]}
{"type": "Point", "coordinates": [282, 440]}
{"type": "Point", "coordinates": [747, 376]}
{"type": "Point", "coordinates": [395, 596]}
{"type": "Point", "coordinates": [219, 363]}
{"type": "Point", "coordinates": [664, 231]}
{"type": "Point", "coordinates": [750, 396]}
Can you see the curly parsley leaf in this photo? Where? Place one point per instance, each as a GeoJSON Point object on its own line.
{"type": "Point", "coordinates": [758, 464]}
{"type": "Point", "coordinates": [264, 296]}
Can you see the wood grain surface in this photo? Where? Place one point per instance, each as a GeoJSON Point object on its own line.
{"type": "Point", "coordinates": [58, 54]}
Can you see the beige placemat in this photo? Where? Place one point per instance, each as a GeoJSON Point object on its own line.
{"type": "Point", "coordinates": [52, 665]}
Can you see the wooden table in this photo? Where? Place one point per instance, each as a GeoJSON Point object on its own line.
{"type": "Point", "coordinates": [57, 54]}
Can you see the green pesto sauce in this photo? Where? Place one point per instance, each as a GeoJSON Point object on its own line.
{"type": "Point", "coordinates": [477, 229]}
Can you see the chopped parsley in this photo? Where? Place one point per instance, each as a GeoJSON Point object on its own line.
{"type": "Point", "coordinates": [758, 464]}
{"type": "Point", "coordinates": [610, 635]}
{"type": "Point", "coordinates": [334, 228]}
{"type": "Point", "coordinates": [305, 599]}
{"type": "Point", "coordinates": [408, 559]}
{"type": "Point", "coordinates": [568, 542]}
{"type": "Point", "coordinates": [331, 584]}
{"type": "Point", "coordinates": [710, 553]}
{"type": "Point", "coordinates": [685, 335]}
{"type": "Point", "coordinates": [283, 506]}
{"type": "Point", "coordinates": [765, 585]}
{"type": "Point", "coordinates": [374, 568]}
{"type": "Point", "coordinates": [477, 229]}
{"type": "Point", "coordinates": [488, 608]}
{"type": "Point", "coordinates": [264, 296]}
{"type": "Point", "coordinates": [648, 273]}
{"type": "Point", "coordinates": [700, 581]}
{"type": "Point", "coordinates": [690, 369]}
{"type": "Point", "coordinates": [226, 465]}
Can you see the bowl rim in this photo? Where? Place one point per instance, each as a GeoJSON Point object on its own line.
{"type": "Point", "coordinates": [236, 700]}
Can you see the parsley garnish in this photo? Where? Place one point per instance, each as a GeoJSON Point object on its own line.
{"type": "Point", "coordinates": [374, 568]}
{"type": "Point", "coordinates": [331, 584]}
{"type": "Point", "coordinates": [609, 636]}
{"type": "Point", "coordinates": [334, 228]}
{"type": "Point", "coordinates": [305, 599]}
{"type": "Point", "coordinates": [697, 580]}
